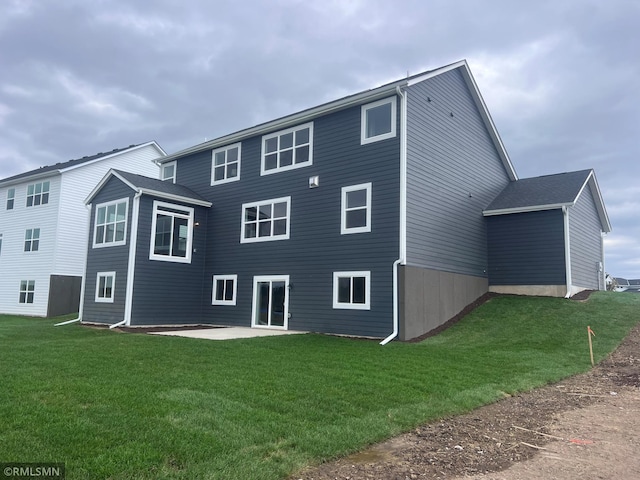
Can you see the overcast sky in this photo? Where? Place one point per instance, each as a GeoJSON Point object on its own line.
{"type": "Point", "coordinates": [561, 78]}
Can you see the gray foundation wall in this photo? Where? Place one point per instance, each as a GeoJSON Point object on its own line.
{"type": "Point", "coordinates": [428, 298]}
{"type": "Point", "coordinates": [64, 295]}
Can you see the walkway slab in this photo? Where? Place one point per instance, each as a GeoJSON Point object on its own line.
{"type": "Point", "coordinates": [227, 333]}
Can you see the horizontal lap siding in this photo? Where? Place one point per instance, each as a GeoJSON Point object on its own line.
{"type": "Point", "coordinates": [586, 242]}
{"type": "Point", "coordinates": [527, 248]}
{"type": "Point", "coordinates": [453, 173]}
{"type": "Point", "coordinates": [107, 259]}
{"type": "Point", "coordinates": [316, 248]}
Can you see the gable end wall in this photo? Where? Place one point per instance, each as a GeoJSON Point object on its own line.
{"type": "Point", "coordinates": [586, 243]}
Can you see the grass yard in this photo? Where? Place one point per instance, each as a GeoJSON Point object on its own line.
{"type": "Point", "coordinates": [135, 406]}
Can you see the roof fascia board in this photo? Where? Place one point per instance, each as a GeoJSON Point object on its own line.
{"type": "Point", "coordinates": [30, 178]}
{"type": "Point", "coordinates": [436, 72]}
{"type": "Point", "coordinates": [532, 208]}
{"type": "Point", "coordinates": [105, 179]}
{"type": "Point", "coordinates": [111, 155]}
{"type": "Point", "coordinates": [175, 198]}
{"type": "Point", "coordinates": [600, 207]}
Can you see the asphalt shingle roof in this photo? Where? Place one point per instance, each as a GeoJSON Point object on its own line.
{"type": "Point", "coordinates": [160, 186]}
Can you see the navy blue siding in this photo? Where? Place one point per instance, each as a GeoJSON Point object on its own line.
{"type": "Point", "coordinates": [585, 242]}
{"type": "Point", "coordinates": [527, 248]}
{"type": "Point", "coordinates": [107, 259]}
{"type": "Point", "coordinates": [453, 173]}
{"type": "Point", "coordinates": [316, 248]}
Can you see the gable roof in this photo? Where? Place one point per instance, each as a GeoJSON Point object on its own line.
{"type": "Point", "coordinates": [61, 167]}
{"type": "Point", "coordinates": [365, 96]}
{"type": "Point", "coordinates": [151, 186]}
{"type": "Point", "coordinates": [548, 192]}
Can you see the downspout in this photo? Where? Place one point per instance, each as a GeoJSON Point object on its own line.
{"type": "Point", "coordinates": [403, 214]}
{"type": "Point", "coordinates": [133, 240]}
{"type": "Point", "coordinates": [86, 260]}
{"type": "Point", "coordinates": [567, 251]}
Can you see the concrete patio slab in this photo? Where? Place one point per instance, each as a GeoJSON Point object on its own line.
{"type": "Point", "coordinates": [227, 333]}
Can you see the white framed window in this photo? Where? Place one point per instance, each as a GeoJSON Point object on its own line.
{"type": "Point", "coordinates": [287, 149]}
{"type": "Point", "coordinates": [32, 240]}
{"type": "Point", "coordinates": [224, 289]}
{"type": "Point", "coordinates": [352, 290]}
{"type": "Point", "coordinates": [27, 291]}
{"type": "Point", "coordinates": [11, 196]}
{"type": "Point", "coordinates": [265, 221]}
{"type": "Point", "coordinates": [356, 209]}
{"type": "Point", "coordinates": [110, 227]}
{"type": "Point", "coordinates": [378, 120]}
{"type": "Point", "coordinates": [168, 171]}
{"type": "Point", "coordinates": [172, 236]}
{"type": "Point", "coordinates": [38, 194]}
{"type": "Point", "coordinates": [225, 164]}
{"type": "Point", "coordinates": [105, 287]}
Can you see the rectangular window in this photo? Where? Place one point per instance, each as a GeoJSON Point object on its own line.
{"type": "Point", "coordinates": [356, 209]}
{"type": "Point", "coordinates": [224, 289]}
{"type": "Point", "coordinates": [287, 149]}
{"type": "Point", "coordinates": [111, 223]}
{"type": "Point", "coordinates": [172, 233]}
{"type": "Point", "coordinates": [38, 194]}
{"type": "Point", "coordinates": [0, 243]}
{"type": "Point", "coordinates": [11, 196]}
{"type": "Point", "coordinates": [378, 120]}
{"type": "Point", "coordinates": [105, 286]}
{"type": "Point", "coordinates": [265, 221]}
{"type": "Point", "coordinates": [32, 240]}
{"type": "Point", "coordinates": [352, 290]}
{"type": "Point", "coordinates": [27, 291]}
{"type": "Point", "coordinates": [225, 164]}
{"type": "Point", "coordinates": [168, 172]}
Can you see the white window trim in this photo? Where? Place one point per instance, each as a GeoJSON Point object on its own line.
{"type": "Point", "coordinates": [11, 198]}
{"type": "Point", "coordinates": [188, 215]}
{"type": "Point", "coordinates": [367, 286]}
{"type": "Point", "coordinates": [224, 278]}
{"type": "Point", "coordinates": [126, 222]}
{"type": "Point", "coordinates": [293, 166]}
{"type": "Point", "coordinates": [26, 292]}
{"type": "Point", "coordinates": [343, 209]}
{"type": "Point", "coordinates": [213, 165]}
{"type": "Point", "coordinates": [99, 299]}
{"type": "Point", "coordinates": [363, 121]}
{"type": "Point", "coordinates": [270, 278]}
{"type": "Point", "coordinates": [31, 240]}
{"type": "Point", "coordinates": [175, 171]}
{"type": "Point", "coordinates": [34, 195]}
{"type": "Point", "coordinates": [258, 204]}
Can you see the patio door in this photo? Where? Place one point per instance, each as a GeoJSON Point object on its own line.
{"type": "Point", "coordinates": [270, 302]}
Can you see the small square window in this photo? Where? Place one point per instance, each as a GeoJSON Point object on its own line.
{"type": "Point", "coordinates": [378, 120]}
{"type": "Point", "coordinates": [352, 290]}
{"type": "Point", "coordinates": [356, 209]}
{"type": "Point", "coordinates": [224, 289]}
{"type": "Point", "coordinates": [105, 287]}
{"type": "Point", "coordinates": [225, 164]}
{"type": "Point", "coordinates": [27, 291]}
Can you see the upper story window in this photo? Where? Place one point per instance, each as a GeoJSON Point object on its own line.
{"type": "Point", "coordinates": [11, 196]}
{"type": "Point", "coordinates": [172, 236]}
{"type": "Point", "coordinates": [111, 223]}
{"type": "Point", "coordinates": [378, 120]}
{"type": "Point", "coordinates": [287, 149]}
{"type": "Point", "coordinates": [266, 220]}
{"type": "Point", "coordinates": [168, 171]}
{"type": "Point", "coordinates": [32, 240]}
{"type": "Point", "coordinates": [356, 209]}
{"type": "Point", "coordinates": [225, 164]}
{"type": "Point", "coordinates": [38, 194]}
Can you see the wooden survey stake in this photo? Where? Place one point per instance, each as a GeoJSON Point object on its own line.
{"type": "Point", "coordinates": [589, 333]}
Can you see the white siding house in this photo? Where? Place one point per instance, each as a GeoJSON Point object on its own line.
{"type": "Point", "coordinates": [43, 229]}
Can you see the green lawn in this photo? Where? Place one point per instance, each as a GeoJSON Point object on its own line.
{"type": "Point", "coordinates": [135, 406]}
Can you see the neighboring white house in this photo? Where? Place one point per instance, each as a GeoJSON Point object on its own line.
{"type": "Point", "coordinates": [43, 228]}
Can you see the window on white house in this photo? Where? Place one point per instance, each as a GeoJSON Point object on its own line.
{"type": "Point", "coordinates": [168, 172]}
{"type": "Point", "coordinates": [378, 120]}
{"type": "Point", "coordinates": [105, 286]}
{"type": "Point", "coordinates": [111, 223]}
{"type": "Point", "coordinates": [352, 290]}
{"type": "Point", "coordinates": [38, 194]}
{"type": "Point", "coordinates": [225, 164]}
{"type": "Point", "coordinates": [27, 291]}
{"type": "Point", "coordinates": [11, 195]}
{"type": "Point", "coordinates": [287, 149]}
{"type": "Point", "coordinates": [172, 232]}
{"type": "Point", "coordinates": [266, 220]}
{"type": "Point", "coordinates": [356, 209]}
{"type": "Point", "coordinates": [0, 243]}
{"type": "Point", "coordinates": [32, 240]}
{"type": "Point", "coordinates": [224, 289]}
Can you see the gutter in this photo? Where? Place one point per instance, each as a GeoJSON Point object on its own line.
{"type": "Point", "coordinates": [403, 214]}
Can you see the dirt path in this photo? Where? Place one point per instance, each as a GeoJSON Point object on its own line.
{"type": "Point", "coordinates": [585, 427]}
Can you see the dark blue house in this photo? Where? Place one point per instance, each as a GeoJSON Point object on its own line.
{"type": "Point", "coordinates": [362, 216]}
